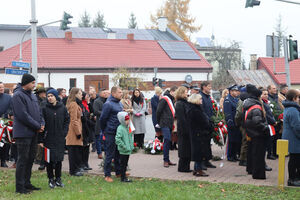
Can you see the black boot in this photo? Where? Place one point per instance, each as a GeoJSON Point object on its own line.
{"type": "Point", "coordinates": [3, 164]}
{"type": "Point", "coordinates": [293, 183]}
{"type": "Point", "coordinates": [59, 183]}
{"type": "Point", "coordinates": [51, 183]}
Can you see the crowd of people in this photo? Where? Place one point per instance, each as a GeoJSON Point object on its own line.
{"type": "Point", "coordinates": [112, 121]}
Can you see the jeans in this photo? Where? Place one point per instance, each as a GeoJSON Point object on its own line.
{"type": "Point", "coordinates": [197, 165]}
{"type": "Point", "coordinates": [100, 143]}
{"type": "Point", "coordinates": [26, 148]}
{"type": "Point", "coordinates": [167, 142]}
{"type": "Point", "coordinates": [124, 162]}
{"type": "Point", "coordinates": [111, 153]}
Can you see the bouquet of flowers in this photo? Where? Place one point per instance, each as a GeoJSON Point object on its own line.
{"type": "Point", "coordinates": [154, 147]}
{"type": "Point", "coordinates": [220, 132]}
{"type": "Point", "coordinates": [276, 111]}
{"type": "Point", "coordinates": [6, 128]}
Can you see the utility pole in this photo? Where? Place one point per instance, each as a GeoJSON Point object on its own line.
{"type": "Point", "coordinates": [33, 23]}
{"type": "Point", "coordinates": [287, 66]}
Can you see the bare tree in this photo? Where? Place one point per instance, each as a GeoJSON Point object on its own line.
{"type": "Point", "coordinates": [128, 78]}
{"type": "Point", "coordinates": [280, 32]}
{"type": "Point", "coordinates": [227, 58]}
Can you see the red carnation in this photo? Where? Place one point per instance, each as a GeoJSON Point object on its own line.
{"type": "Point", "coordinates": [134, 144]}
{"type": "Point", "coordinates": [216, 129]}
{"type": "Point", "coordinates": [280, 116]}
{"type": "Point", "coordinates": [218, 138]}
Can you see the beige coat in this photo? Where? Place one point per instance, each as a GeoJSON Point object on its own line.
{"type": "Point", "coordinates": [75, 126]}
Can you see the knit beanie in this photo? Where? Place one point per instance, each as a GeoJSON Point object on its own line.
{"type": "Point", "coordinates": [27, 78]}
{"type": "Point", "coordinates": [253, 91]}
{"type": "Point", "coordinates": [54, 92]}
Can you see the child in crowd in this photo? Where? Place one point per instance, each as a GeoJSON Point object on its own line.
{"type": "Point", "coordinates": [56, 127]}
{"type": "Point", "coordinates": [124, 142]}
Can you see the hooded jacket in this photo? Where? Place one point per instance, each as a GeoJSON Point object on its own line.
{"type": "Point", "coordinates": [27, 114]}
{"type": "Point", "coordinates": [123, 137]}
{"type": "Point", "coordinates": [256, 124]}
{"type": "Point", "coordinates": [56, 128]}
{"type": "Point", "coordinates": [291, 125]}
{"type": "Point", "coordinates": [108, 119]}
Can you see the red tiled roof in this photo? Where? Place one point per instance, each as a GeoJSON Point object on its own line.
{"type": "Point", "coordinates": [99, 53]}
{"type": "Point", "coordinates": [267, 64]}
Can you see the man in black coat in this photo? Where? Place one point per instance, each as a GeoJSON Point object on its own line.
{"type": "Point", "coordinates": [234, 134]}
{"type": "Point", "coordinates": [165, 114]}
{"type": "Point", "coordinates": [5, 100]}
{"type": "Point", "coordinates": [28, 122]}
{"type": "Point", "coordinates": [257, 129]}
{"type": "Point", "coordinates": [208, 109]}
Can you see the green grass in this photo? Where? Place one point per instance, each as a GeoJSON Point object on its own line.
{"type": "Point", "coordinates": [94, 187]}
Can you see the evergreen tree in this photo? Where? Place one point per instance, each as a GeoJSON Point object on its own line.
{"type": "Point", "coordinates": [179, 20]}
{"type": "Point", "coordinates": [85, 20]}
{"type": "Point", "coordinates": [132, 22]}
{"type": "Point", "coordinates": [99, 20]}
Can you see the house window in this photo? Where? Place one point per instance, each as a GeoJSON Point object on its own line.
{"type": "Point", "coordinates": [207, 54]}
{"type": "Point", "coordinates": [72, 82]}
{"type": "Point", "coordinates": [1, 48]}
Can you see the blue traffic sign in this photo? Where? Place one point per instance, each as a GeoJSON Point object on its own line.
{"type": "Point", "coordinates": [15, 71]}
{"type": "Point", "coordinates": [20, 64]}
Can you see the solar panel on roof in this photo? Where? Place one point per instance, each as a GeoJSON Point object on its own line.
{"type": "Point", "coordinates": [179, 50]}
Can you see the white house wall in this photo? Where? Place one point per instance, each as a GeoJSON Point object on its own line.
{"type": "Point", "coordinates": [58, 80]}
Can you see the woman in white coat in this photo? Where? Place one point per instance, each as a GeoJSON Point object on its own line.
{"type": "Point", "coordinates": [138, 117]}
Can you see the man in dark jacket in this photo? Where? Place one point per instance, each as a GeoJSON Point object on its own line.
{"type": "Point", "coordinates": [234, 134]}
{"type": "Point", "coordinates": [257, 129]}
{"type": "Point", "coordinates": [208, 109]}
{"type": "Point", "coordinates": [5, 100]}
{"type": "Point", "coordinates": [109, 123]}
{"type": "Point", "coordinates": [40, 93]}
{"type": "Point", "coordinates": [97, 107]}
{"type": "Point", "coordinates": [28, 122]}
{"type": "Point", "coordinates": [165, 114]}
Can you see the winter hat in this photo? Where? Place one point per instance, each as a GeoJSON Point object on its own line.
{"type": "Point", "coordinates": [253, 91]}
{"type": "Point", "coordinates": [122, 117]}
{"type": "Point", "coordinates": [27, 78]}
{"type": "Point", "coordinates": [54, 92]}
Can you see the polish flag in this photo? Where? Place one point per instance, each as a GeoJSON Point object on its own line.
{"type": "Point", "coordinates": [131, 127]}
{"type": "Point", "coordinates": [47, 155]}
{"type": "Point", "coordinates": [272, 130]}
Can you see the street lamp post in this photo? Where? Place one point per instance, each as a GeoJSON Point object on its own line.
{"type": "Point", "coordinates": [33, 23]}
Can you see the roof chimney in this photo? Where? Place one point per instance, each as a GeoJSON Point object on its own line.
{"type": "Point", "coordinates": [130, 36]}
{"type": "Point", "coordinates": [111, 35]}
{"type": "Point", "coordinates": [253, 61]}
{"type": "Point", "coordinates": [162, 24]}
{"type": "Point", "coordinates": [68, 35]}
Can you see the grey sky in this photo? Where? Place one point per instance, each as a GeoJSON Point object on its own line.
{"type": "Point", "coordinates": [227, 19]}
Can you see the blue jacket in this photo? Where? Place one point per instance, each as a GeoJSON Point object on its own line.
{"type": "Point", "coordinates": [207, 104]}
{"type": "Point", "coordinates": [291, 125]}
{"type": "Point", "coordinates": [27, 114]}
{"type": "Point", "coordinates": [230, 105]}
{"type": "Point", "coordinates": [5, 100]}
{"type": "Point", "coordinates": [108, 119]}
{"type": "Point", "coordinates": [154, 104]}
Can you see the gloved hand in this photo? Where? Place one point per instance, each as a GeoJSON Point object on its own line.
{"type": "Point", "coordinates": [138, 114]}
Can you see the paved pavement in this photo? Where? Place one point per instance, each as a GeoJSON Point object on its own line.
{"type": "Point", "coordinates": [151, 166]}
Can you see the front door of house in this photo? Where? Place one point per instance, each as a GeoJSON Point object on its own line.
{"type": "Point", "coordinates": [97, 81]}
